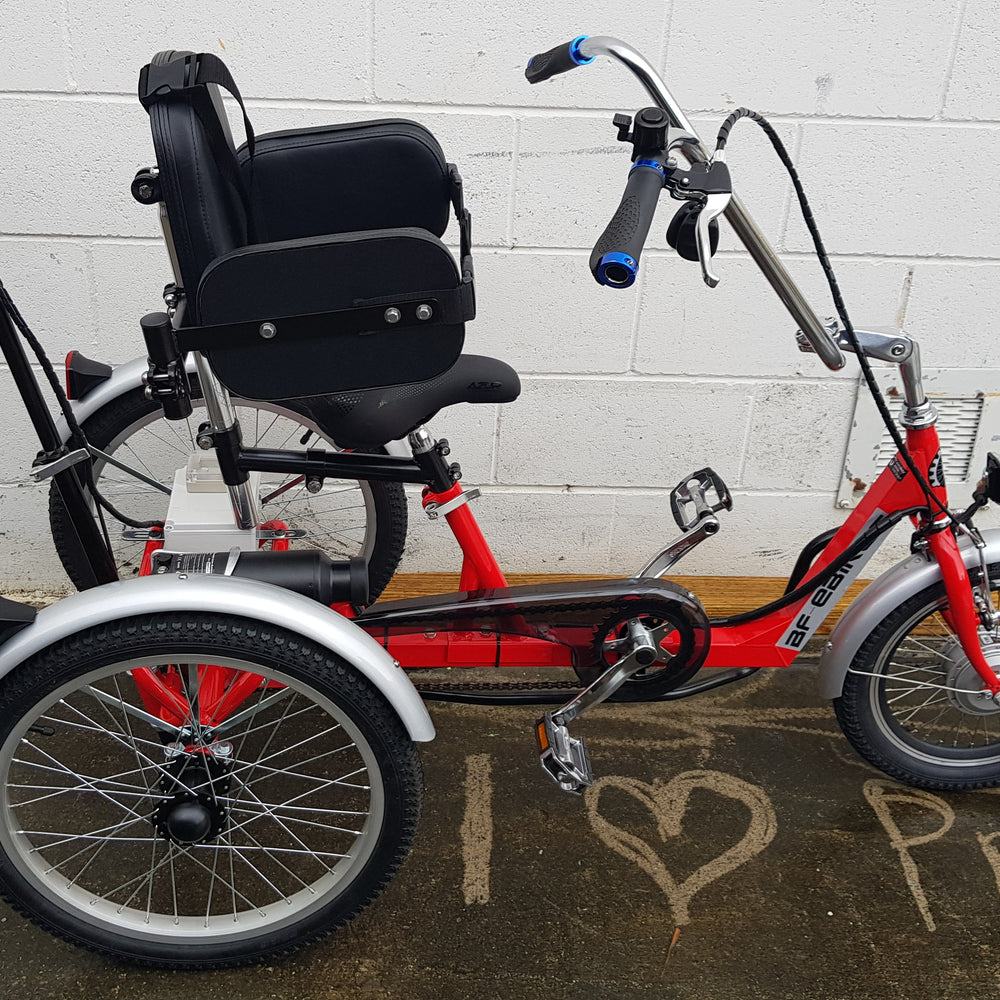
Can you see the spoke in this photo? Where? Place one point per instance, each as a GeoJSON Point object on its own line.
{"type": "Point", "coordinates": [131, 734]}
{"type": "Point", "coordinates": [295, 819]}
{"type": "Point", "coordinates": [56, 792]}
{"type": "Point", "coordinates": [309, 852]}
{"type": "Point", "coordinates": [264, 701]}
{"type": "Point", "coordinates": [158, 767]}
{"type": "Point", "coordinates": [89, 784]}
{"type": "Point", "coordinates": [290, 833]}
{"type": "Point", "coordinates": [306, 809]}
{"type": "Point", "coordinates": [95, 728]}
{"type": "Point", "coordinates": [103, 834]}
{"type": "Point", "coordinates": [927, 649]}
{"type": "Point", "coordinates": [294, 746]}
{"type": "Point", "coordinates": [293, 770]}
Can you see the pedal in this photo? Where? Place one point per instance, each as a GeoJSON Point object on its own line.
{"type": "Point", "coordinates": [563, 757]}
{"type": "Point", "coordinates": [698, 496]}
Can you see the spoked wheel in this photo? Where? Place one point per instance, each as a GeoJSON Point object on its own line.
{"type": "Point", "coordinates": [673, 639]}
{"type": "Point", "coordinates": [345, 519]}
{"type": "Point", "coordinates": [191, 816]}
{"type": "Point", "coordinates": [912, 703]}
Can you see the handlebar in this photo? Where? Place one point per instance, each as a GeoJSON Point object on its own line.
{"type": "Point", "coordinates": [561, 59]}
{"type": "Point", "coordinates": [615, 258]}
{"type": "Point", "coordinates": [584, 50]}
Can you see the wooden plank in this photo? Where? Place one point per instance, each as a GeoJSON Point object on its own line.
{"type": "Point", "coordinates": [721, 595]}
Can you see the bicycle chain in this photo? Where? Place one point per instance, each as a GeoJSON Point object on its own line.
{"type": "Point", "coordinates": [457, 686]}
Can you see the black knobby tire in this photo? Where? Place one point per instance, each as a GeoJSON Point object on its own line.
{"type": "Point", "coordinates": [346, 519]}
{"type": "Point", "coordinates": [315, 801]}
{"type": "Point", "coordinates": [903, 720]}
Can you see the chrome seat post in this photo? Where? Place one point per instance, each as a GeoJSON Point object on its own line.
{"type": "Point", "coordinates": [222, 417]}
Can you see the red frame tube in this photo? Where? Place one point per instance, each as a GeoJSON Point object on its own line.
{"type": "Point", "coordinates": [752, 643]}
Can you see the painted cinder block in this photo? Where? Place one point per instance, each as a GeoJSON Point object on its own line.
{"type": "Point", "coordinates": [899, 189]}
{"type": "Point", "coordinates": [543, 312]}
{"type": "Point", "coordinates": [445, 53]}
{"type": "Point", "coordinates": [871, 58]}
{"type": "Point", "coordinates": [618, 432]}
{"type": "Point", "coordinates": [674, 376]}
{"type": "Point", "coordinates": [952, 311]}
{"type": "Point", "coordinates": [67, 164]}
{"type": "Point", "coordinates": [740, 327]}
{"type": "Point", "coordinates": [127, 279]}
{"type": "Point", "coordinates": [315, 52]}
{"type": "Point", "coordinates": [35, 54]}
{"type": "Point", "coordinates": [49, 281]}
{"type": "Point", "coordinates": [971, 84]}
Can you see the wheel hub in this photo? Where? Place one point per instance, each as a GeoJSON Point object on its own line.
{"type": "Point", "coordinates": [194, 811]}
{"type": "Point", "coordinates": [971, 698]}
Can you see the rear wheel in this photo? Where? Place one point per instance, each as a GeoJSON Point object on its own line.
{"type": "Point", "coordinates": [345, 519]}
{"type": "Point", "coordinates": [152, 836]}
{"type": "Point", "coordinates": [914, 706]}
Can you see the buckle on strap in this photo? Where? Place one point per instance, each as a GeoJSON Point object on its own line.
{"type": "Point", "coordinates": [156, 82]}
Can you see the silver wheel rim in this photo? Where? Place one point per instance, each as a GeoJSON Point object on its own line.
{"type": "Point", "coordinates": [912, 706]}
{"type": "Point", "coordinates": [339, 520]}
{"type": "Point", "coordinates": [305, 800]}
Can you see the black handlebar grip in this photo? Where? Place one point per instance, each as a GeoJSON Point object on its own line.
{"type": "Point", "coordinates": [615, 258]}
{"type": "Point", "coordinates": [561, 59]}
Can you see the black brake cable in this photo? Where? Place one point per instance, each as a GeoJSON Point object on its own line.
{"type": "Point", "coordinates": [77, 436]}
{"type": "Point", "coordinates": [873, 388]}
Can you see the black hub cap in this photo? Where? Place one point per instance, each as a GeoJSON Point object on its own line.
{"type": "Point", "coordinates": [196, 811]}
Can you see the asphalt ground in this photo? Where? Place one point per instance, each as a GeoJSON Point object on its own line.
{"type": "Point", "coordinates": [733, 846]}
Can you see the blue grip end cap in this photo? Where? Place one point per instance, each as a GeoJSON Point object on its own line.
{"type": "Point", "coordinates": [574, 51]}
{"type": "Point", "coordinates": [617, 270]}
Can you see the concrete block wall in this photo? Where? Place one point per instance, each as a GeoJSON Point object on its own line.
{"type": "Point", "coordinates": [890, 109]}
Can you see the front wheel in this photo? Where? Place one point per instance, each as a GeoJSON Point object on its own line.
{"type": "Point", "coordinates": [912, 703]}
{"type": "Point", "coordinates": [196, 790]}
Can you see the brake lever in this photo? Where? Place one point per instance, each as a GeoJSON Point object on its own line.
{"type": "Point", "coordinates": [710, 184]}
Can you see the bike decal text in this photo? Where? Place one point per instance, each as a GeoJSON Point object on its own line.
{"type": "Point", "coordinates": [821, 602]}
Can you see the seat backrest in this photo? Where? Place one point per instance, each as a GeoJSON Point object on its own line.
{"type": "Point", "coordinates": [202, 193]}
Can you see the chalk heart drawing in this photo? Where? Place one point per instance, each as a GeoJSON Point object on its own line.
{"type": "Point", "coordinates": [668, 803]}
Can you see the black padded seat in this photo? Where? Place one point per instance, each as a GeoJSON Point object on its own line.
{"type": "Point", "coordinates": [260, 243]}
{"type": "Point", "coordinates": [369, 418]}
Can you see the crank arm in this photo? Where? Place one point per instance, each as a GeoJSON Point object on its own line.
{"type": "Point", "coordinates": [643, 649]}
{"type": "Point", "coordinates": [680, 547]}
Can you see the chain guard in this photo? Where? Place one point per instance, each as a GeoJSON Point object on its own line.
{"type": "Point", "coordinates": [576, 615]}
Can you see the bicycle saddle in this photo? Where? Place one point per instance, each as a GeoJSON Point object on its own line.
{"type": "Point", "coordinates": [369, 418]}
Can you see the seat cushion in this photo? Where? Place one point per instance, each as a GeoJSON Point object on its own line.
{"type": "Point", "coordinates": [374, 271]}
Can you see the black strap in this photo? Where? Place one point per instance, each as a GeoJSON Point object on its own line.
{"type": "Point", "coordinates": [185, 72]}
{"type": "Point", "coordinates": [448, 307]}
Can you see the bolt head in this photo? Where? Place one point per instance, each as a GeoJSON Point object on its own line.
{"type": "Point", "coordinates": [424, 312]}
{"type": "Point", "coordinates": [268, 330]}
{"type": "Point", "coordinates": [205, 442]}
{"type": "Point", "coordinates": [145, 191]}
{"type": "Point", "coordinates": [393, 315]}
{"type": "Point", "coordinates": [314, 485]}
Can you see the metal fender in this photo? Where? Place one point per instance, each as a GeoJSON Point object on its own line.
{"type": "Point", "coordinates": [128, 376]}
{"type": "Point", "coordinates": [878, 599]}
{"type": "Point", "coordinates": [226, 595]}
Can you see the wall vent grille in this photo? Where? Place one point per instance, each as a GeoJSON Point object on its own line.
{"type": "Point", "coordinates": [967, 402]}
